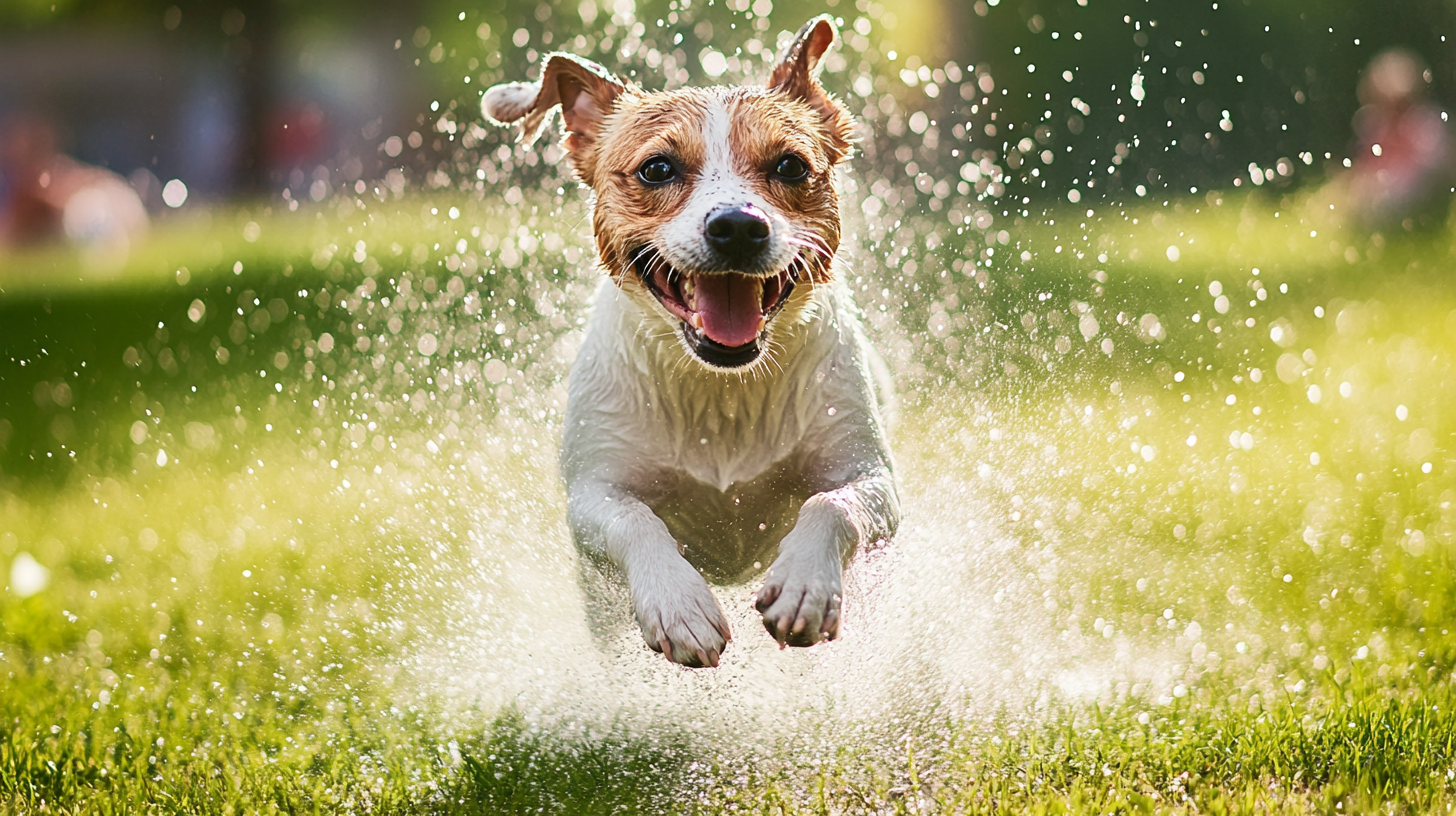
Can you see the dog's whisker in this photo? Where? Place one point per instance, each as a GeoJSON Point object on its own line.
{"type": "Point", "coordinates": [809, 240]}
{"type": "Point", "coordinates": [637, 256]}
{"type": "Point", "coordinates": [770, 359]}
{"type": "Point", "coordinates": [808, 250]}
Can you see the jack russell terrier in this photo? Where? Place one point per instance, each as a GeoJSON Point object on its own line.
{"type": "Point", "coordinates": [725, 399]}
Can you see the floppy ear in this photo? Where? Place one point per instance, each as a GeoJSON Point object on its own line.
{"type": "Point", "coordinates": [585, 91]}
{"type": "Point", "coordinates": [797, 74]}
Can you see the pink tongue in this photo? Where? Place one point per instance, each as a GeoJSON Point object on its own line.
{"type": "Point", "coordinates": [731, 306]}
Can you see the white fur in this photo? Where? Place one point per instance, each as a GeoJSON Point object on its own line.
{"type": "Point", "coordinates": [719, 184]}
{"type": "Point", "coordinates": [646, 425]}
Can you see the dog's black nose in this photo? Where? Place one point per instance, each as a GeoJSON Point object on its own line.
{"type": "Point", "coordinates": [738, 233]}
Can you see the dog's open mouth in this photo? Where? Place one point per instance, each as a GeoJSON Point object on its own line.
{"type": "Point", "coordinates": [723, 313]}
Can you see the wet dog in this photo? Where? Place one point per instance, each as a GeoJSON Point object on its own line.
{"type": "Point", "coordinates": [725, 407]}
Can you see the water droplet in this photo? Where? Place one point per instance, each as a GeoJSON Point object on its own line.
{"type": "Point", "coordinates": [27, 576]}
{"type": "Point", "coordinates": [174, 194]}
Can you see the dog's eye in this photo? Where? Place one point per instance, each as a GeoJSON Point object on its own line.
{"type": "Point", "coordinates": [657, 170]}
{"type": "Point", "coordinates": [791, 168]}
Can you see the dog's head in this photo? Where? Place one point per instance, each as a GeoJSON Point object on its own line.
{"type": "Point", "coordinates": [716, 208]}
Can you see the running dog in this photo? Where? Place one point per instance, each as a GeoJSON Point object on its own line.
{"type": "Point", "coordinates": [726, 406]}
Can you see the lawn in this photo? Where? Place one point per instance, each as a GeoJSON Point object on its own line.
{"type": "Point", "coordinates": [281, 528]}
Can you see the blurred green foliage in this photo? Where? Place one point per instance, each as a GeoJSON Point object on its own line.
{"type": "Point", "coordinates": [1283, 73]}
{"type": "Point", "coordinates": [238, 630]}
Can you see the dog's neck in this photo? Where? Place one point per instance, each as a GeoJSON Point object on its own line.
{"type": "Point", "coordinates": [749, 420]}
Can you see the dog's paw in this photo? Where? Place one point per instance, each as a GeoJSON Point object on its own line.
{"type": "Point", "coordinates": [681, 619]}
{"type": "Point", "coordinates": [800, 601]}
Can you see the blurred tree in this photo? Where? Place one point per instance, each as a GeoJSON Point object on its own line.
{"type": "Point", "coordinates": [1193, 91]}
{"type": "Point", "coordinates": [1167, 94]}
{"type": "Point", "coordinates": [258, 19]}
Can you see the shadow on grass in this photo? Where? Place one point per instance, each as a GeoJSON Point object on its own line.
{"type": "Point", "coordinates": [521, 769]}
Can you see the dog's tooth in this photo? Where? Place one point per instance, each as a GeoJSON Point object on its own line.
{"type": "Point", "coordinates": [762, 321]}
{"type": "Point", "coordinates": [697, 321]}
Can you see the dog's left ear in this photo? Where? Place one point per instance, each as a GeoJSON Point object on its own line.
{"type": "Point", "coordinates": [797, 74]}
{"type": "Point", "coordinates": [585, 91]}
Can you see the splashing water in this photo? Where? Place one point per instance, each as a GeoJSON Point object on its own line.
{"type": "Point", "coordinates": [1121, 484]}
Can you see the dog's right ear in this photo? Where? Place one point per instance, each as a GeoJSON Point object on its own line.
{"type": "Point", "coordinates": [585, 91]}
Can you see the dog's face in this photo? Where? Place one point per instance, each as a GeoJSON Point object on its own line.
{"type": "Point", "coordinates": [716, 208]}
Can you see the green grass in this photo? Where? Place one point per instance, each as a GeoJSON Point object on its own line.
{"type": "Point", "coordinates": [293, 614]}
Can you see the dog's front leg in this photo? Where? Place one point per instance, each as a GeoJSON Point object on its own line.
{"type": "Point", "coordinates": [802, 594]}
{"type": "Point", "coordinates": [678, 613]}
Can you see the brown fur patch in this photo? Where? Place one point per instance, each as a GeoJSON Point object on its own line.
{"type": "Point", "coordinates": [585, 92]}
{"type": "Point", "coordinates": [612, 128]}
{"type": "Point", "coordinates": [796, 76]}
{"type": "Point", "coordinates": [628, 212]}
{"type": "Point", "coordinates": [765, 127]}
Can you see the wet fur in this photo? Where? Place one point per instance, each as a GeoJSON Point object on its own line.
{"type": "Point", "coordinates": [676, 469]}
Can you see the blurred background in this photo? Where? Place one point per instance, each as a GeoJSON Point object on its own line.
{"type": "Point", "coordinates": [285, 99]}
{"type": "Point", "coordinates": [284, 335]}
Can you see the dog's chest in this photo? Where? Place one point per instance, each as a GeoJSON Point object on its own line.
{"type": "Point", "coordinates": [730, 534]}
{"type": "Point", "coordinates": [723, 433]}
